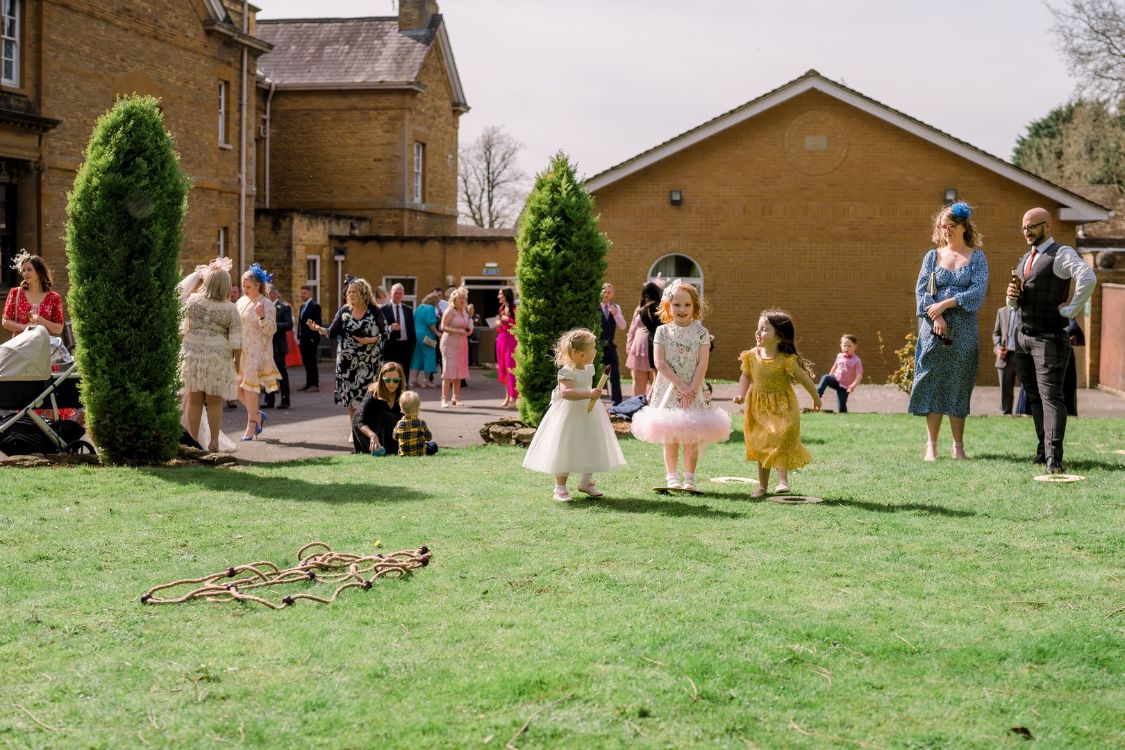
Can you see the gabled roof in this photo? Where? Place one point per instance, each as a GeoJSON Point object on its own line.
{"type": "Point", "coordinates": [1110, 232]}
{"type": "Point", "coordinates": [353, 53]}
{"type": "Point", "coordinates": [1074, 207]}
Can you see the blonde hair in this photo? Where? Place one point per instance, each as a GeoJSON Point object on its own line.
{"type": "Point", "coordinates": [364, 290]}
{"type": "Point", "coordinates": [973, 237]}
{"type": "Point", "coordinates": [254, 277]}
{"type": "Point", "coordinates": [574, 339]}
{"type": "Point", "coordinates": [458, 293]}
{"type": "Point", "coordinates": [665, 309]}
{"type": "Point", "coordinates": [430, 299]}
{"type": "Point", "coordinates": [410, 402]}
{"type": "Point", "coordinates": [216, 286]}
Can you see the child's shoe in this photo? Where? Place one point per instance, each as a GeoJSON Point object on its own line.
{"type": "Point", "coordinates": [561, 495]}
{"type": "Point", "coordinates": [590, 489]}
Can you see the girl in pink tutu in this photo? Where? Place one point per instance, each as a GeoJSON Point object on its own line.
{"type": "Point", "coordinates": [678, 414]}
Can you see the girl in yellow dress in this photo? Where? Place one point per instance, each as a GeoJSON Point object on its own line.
{"type": "Point", "coordinates": [772, 423]}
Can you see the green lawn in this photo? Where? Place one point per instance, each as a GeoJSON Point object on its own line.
{"type": "Point", "coordinates": [922, 606]}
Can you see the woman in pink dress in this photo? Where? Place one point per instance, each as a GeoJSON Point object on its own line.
{"type": "Point", "coordinates": [257, 372]}
{"type": "Point", "coordinates": [32, 302]}
{"type": "Point", "coordinates": [456, 325]}
{"type": "Point", "coordinates": [506, 346]}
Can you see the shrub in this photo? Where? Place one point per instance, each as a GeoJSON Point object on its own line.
{"type": "Point", "coordinates": [903, 377]}
{"type": "Point", "coordinates": [559, 270]}
{"type": "Point", "coordinates": [123, 234]}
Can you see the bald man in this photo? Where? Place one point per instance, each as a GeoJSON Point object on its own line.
{"type": "Point", "coordinates": [1041, 292]}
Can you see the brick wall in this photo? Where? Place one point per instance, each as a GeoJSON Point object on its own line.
{"type": "Point", "coordinates": [95, 51]}
{"type": "Point", "coordinates": [835, 236]}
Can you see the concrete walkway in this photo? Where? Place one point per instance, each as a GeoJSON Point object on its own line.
{"type": "Point", "coordinates": [316, 427]}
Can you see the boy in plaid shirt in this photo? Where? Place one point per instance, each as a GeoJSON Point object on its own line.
{"type": "Point", "coordinates": [411, 432]}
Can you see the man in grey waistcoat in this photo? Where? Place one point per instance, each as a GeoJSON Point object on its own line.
{"type": "Point", "coordinates": [1040, 290]}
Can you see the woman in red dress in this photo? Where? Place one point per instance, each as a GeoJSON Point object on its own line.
{"type": "Point", "coordinates": [32, 302]}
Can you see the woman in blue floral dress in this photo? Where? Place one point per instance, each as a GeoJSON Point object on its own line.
{"type": "Point", "coordinates": [950, 289]}
{"type": "Point", "coordinates": [360, 330]}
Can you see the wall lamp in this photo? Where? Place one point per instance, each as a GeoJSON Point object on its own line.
{"type": "Point", "coordinates": [950, 195]}
{"type": "Point", "coordinates": [676, 197]}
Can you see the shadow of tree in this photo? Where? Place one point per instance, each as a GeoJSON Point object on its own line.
{"type": "Point", "coordinates": [1071, 465]}
{"type": "Point", "coordinates": [937, 510]}
{"type": "Point", "coordinates": [660, 507]}
{"type": "Point", "coordinates": [286, 487]}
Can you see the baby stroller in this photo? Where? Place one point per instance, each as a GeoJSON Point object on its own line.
{"type": "Point", "coordinates": [27, 383]}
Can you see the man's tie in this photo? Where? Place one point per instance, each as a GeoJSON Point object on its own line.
{"type": "Point", "coordinates": [1030, 261]}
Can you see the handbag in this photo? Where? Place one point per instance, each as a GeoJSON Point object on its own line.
{"type": "Point", "coordinates": [427, 341]}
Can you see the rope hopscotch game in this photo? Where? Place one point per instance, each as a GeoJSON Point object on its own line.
{"type": "Point", "coordinates": [317, 563]}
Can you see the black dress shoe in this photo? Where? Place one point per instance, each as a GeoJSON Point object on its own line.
{"type": "Point", "coordinates": [283, 405]}
{"type": "Point", "coordinates": [1055, 467]}
{"type": "Point", "coordinates": [305, 387]}
{"type": "Point", "coordinates": [267, 405]}
{"type": "Point", "coordinates": [1039, 459]}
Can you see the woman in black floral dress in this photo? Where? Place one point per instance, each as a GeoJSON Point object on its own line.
{"type": "Point", "coordinates": [360, 330]}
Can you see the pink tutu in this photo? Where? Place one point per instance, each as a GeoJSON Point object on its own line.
{"type": "Point", "coordinates": [707, 425]}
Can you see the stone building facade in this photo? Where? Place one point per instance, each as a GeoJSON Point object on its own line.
{"type": "Point", "coordinates": [64, 64]}
{"type": "Point", "coordinates": [819, 200]}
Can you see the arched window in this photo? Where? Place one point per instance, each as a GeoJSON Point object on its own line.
{"type": "Point", "coordinates": [675, 266]}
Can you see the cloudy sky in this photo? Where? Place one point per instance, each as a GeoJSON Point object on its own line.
{"type": "Point", "coordinates": [606, 79]}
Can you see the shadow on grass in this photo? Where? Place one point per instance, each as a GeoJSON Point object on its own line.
{"type": "Point", "coordinates": [936, 510]}
{"type": "Point", "coordinates": [659, 506]}
{"type": "Point", "coordinates": [287, 488]}
{"type": "Point", "coordinates": [1071, 465]}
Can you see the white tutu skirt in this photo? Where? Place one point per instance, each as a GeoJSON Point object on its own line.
{"type": "Point", "coordinates": [703, 424]}
{"type": "Point", "coordinates": [571, 440]}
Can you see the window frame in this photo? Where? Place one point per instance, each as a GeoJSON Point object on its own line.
{"type": "Point", "coordinates": [407, 296]}
{"type": "Point", "coordinates": [419, 172]}
{"type": "Point", "coordinates": [224, 113]}
{"type": "Point", "coordinates": [16, 40]}
{"type": "Point", "coordinates": [221, 242]}
{"type": "Point", "coordinates": [696, 281]}
{"type": "Point", "coordinates": [312, 275]}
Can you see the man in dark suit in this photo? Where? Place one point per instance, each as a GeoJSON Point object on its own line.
{"type": "Point", "coordinates": [1004, 343]}
{"type": "Point", "coordinates": [280, 347]}
{"type": "Point", "coordinates": [400, 323]}
{"type": "Point", "coordinates": [308, 339]}
{"type": "Point", "coordinates": [612, 321]}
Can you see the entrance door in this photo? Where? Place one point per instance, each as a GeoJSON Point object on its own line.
{"type": "Point", "coordinates": [9, 276]}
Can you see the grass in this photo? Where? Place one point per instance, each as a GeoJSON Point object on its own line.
{"type": "Point", "coordinates": [921, 606]}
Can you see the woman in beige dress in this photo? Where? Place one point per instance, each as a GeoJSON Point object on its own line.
{"type": "Point", "coordinates": [258, 373]}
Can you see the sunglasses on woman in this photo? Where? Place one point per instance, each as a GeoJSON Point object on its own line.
{"type": "Point", "coordinates": [392, 380]}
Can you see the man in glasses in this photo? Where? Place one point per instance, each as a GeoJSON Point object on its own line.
{"type": "Point", "coordinates": [1040, 289]}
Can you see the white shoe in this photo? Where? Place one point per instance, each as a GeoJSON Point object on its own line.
{"type": "Point", "coordinates": [561, 496]}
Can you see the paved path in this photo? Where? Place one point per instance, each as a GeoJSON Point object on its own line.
{"type": "Point", "coordinates": [316, 427]}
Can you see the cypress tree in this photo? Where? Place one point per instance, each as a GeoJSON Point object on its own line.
{"type": "Point", "coordinates": [124, 230]}
{"type": "Point", "coordinates": [559, 269]}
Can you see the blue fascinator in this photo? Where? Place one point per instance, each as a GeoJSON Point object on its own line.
{"type": "Point", "coordinates": [960, 211]}
{"type": "Point", "coordinates": [260, 274]}
{"type": "Point", "coordinates": [348, 279]}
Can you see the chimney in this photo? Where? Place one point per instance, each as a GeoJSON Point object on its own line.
{"type": "Point", "coordinates": [414, 15]}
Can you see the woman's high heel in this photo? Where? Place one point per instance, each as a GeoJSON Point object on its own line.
{"type": "Point", "coordinates": [262, 419]}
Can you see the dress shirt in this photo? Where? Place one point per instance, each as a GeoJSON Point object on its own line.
{"type": "Point", "coordinates": [614, 311]}
{"type": "Point", "coordinates": [1068, 265]}
{"type": "Point", "coordinates": [403, 334]}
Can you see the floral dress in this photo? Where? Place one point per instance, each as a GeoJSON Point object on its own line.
{"type": "Point", "coordinates": [771, 426]}
{"type": "Point", "coordinates": [665, 420]}
{"type": "Point", "coordinates": [257, 369]}
{"type": "Point", "coordinates": [18, 307]}
{"type": "Point", "coordinates": [357, 364]}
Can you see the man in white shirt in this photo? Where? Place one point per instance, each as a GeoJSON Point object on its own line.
{"type": "Point", "coordinates": [1040, 289]}
{"type": "Point", "coordinates": [612, 322]}
{"type": "Point", "coordinates": [400, 322]}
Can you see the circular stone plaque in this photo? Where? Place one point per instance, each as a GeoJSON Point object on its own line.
{"type": "Point", "coordinates": [795, 499]}
{"type": "Point", "coordinates": [734, 480]}
{"type": "Point", "coordinates": [815, 143]}
{"type": "Point", "coordinates": [1059, 478]}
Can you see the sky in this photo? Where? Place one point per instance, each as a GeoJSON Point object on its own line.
{"type": "Point", "coordinates": [604, 80]}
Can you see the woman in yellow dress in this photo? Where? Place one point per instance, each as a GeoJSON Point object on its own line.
{"type": "Point", "coordinates": [772, 421]}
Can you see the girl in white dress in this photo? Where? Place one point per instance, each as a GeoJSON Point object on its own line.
{"type": "Point", "coordinates": [679, 413]}
{"type": "Point", "coordinates": [571, 439]}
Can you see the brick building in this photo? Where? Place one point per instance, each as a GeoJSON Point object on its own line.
{"type": "Point", "coordinates": [358, 155]}
{"type": "Point", "coordinates": [64, 62]}
{"type": "Point", "coordinates": [820, 200]}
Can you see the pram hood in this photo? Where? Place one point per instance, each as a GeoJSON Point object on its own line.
{"type": "Point", "coordinates": [27, 356]}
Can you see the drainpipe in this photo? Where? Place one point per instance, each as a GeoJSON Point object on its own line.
{"type": "Point", "coordinates": [242, 146]}
{"type": "Point", "coordinates": [269, 128]}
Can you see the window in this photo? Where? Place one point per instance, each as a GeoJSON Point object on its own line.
{"type": "Point", "coordinates": [677, 267]}
{"type": "Point", "coordinates": [312, 275]}
{"type": "Point", "coordinates": [221, 243]}
{"type": "Point", "coordinates": [419, 170]}
{"type": "Point", "coordinates": [224, 95]}
{"type": "Point", "coordinates": [11, 42]}
{"type": "Point", "coordinates": [409, 286]}
{"type": "Point", "coordinates": [482, 294]}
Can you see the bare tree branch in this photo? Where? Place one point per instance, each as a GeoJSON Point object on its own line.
{"type": "Point", "coordinates": [491, 186]}
{"type": "Point", "coordinates": [1092, 34]}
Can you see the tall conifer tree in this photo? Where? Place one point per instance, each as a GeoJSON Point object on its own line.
{"type": "Point", "coordinates": [559, 270]}
{"type": "Point", "coordinates": [123, 235]}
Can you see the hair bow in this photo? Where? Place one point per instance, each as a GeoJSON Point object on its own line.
{"type": "Point", "coordinates": [960, 211]}
{"type": "Point", "coordinates": [671, 290]}
{"type": "Point", "coordinates": [260, 274]}
{"type": "Point", "coordinates": [220, 264]}
{"type": "Point", "coordinates": [23, 256]}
